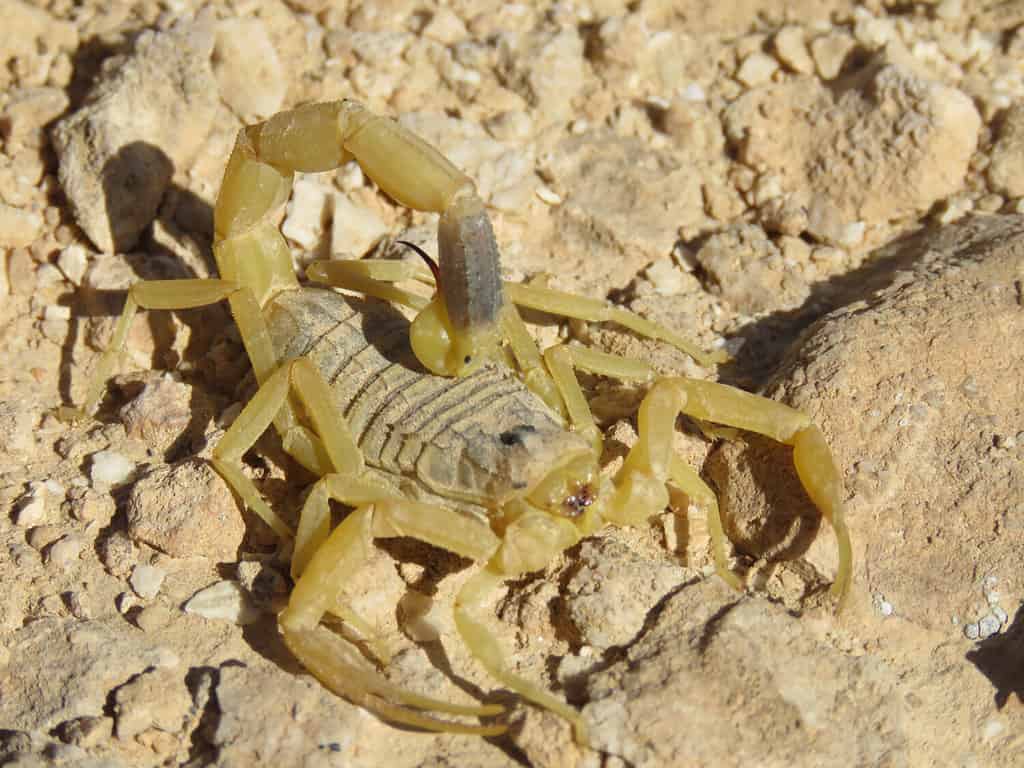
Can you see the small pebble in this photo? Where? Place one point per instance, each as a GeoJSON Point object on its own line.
{"type": "Point", "coordinates": [73, 262]}
{"type": "Point", "coordinates": [146, 581]}
{"type": "Point", "coordinates": [65, 550]}
{"type": "Point", "coordinates": [110, 468]}
{"type": "Point", "coordinates": [223, 601]}
{"type": "Point", "coordinates": [42, 536]}
{"type": "Point", "coordinates": [988, 626]}
{"type": "Point", "coordinates": [125, 601]}
{"type": "Point", "coordinates": [971, 631]}
{"type": "Point", "coordinates": [31, 506]}
{"type": "Point", "coordinates": [756, 69]}
{"type": "Point", "coordinates": [153, 617]}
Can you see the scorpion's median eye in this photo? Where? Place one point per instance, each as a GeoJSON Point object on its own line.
{"type": "Point", "coordinates": [467, 359]}
{"type": "Point", "coordinates": [514, 436]}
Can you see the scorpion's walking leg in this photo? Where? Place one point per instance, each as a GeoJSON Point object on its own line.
{"type": "Point", "coordinates": [326, 562]}
{"type": "Point", "coordinates": [181, 294]}
{"type": "Point", "coordinates": [333, 660]}
{"type": "Point", "coordinates": [594, 310]}
{"type": "Point", "coordinates": [484, 646]}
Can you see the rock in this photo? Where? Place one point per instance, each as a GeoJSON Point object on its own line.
{"type": "Point", "coordinates": [626, 201]}
{"type": "Point", "coordinates": [748, 270]}
{"type": "Point", "coordinates": [791, 48]}
{"type": "Point", "coordinates": [612, 590]}
{"type": "Point", "coordinates": [146, 581]}
{"type": "Point", "coordinates": [830, 52]}
{"type": "Point", "coordinates": [355, 228]}
{"type": "Point", "coordinates": [117, 553]}
{"type": "Point", "coordinates": [65, 551]}
{"type": "Point", "coordinates": [18, 227]}
{"type": "Point", "coordinates": [30, 508]}
{"type": "Point", "coordinates": [30, 110]}
{"type": "Point", "coordinates": [223, 601]}
{"type": "Point", "coordinates": [110, 468]}
{"type": "Point", "coordinates": [756, 69]}
{"type": "Point", "coordinates": [1006, 169]}
{"type": "Point", "coordinates": [249, 73]}
{"type": "Point", "coordinates": [255, 729]}
{"type": "Point", "coordinates": [63, 669]}
{"type": "Point", "coordinates": [307, 212]}
{"type": "Point", "coordinates": [168, 416]}
{"type": "Point", "coordinates": [156, 699]}
{"type": "Point", "coordinates": [751, 683]}
{"type": "Point", "coordinates": [185, 510]}
{"type": "Point", "coordinates": [73, 261]}
{"type": "Point", "coordinates": [143, 119]}
{"type": "Point", "coordinates": [545, 67]}
{"type": "Point", "coordinates": [859, 166]}
{"type": "Point", "coordinates": [920, 352]}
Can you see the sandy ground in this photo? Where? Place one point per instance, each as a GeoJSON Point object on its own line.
{"type": "Point", "coordinates": [833, 192]}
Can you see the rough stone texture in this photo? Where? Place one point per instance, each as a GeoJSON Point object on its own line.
{"type": "Point", "coordinates": [1006, 171]}
{"type": "Point", "coordinates": [63, 669]}
{"type": "Point", "coordinates": [889, 379]}
{"type": "Point", "coordinates": [251, 79]}
{"type": "Point", "coordinates": [612, 590]}
{"type": "Point", "coordinates": [673, 699]}
{"type": "Point", "coordinates": [194, 514]}
{"type": "Point", "coordinates": [144, 119]}
{"type": "Point", "coordinates": [858, 164]}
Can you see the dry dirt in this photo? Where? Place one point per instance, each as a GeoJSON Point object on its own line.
{"type": "Point", "coordinates": [834, 191]}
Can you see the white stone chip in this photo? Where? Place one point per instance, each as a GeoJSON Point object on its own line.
{"type": "Point", "coordinates": [988, 626]}
{"type": "Point", "coordinates": [73, 262]}
{"type": "Point", "coordinates": [756, 69]}
{"type": "Point", "coordinates": [110, 468]}
{"type": "Point", "coordinates": [146, 581]}
{"type": "Point", "coordinates": [306, 213]}
{"type": "Point", "coordinates": [549, 196]}
{"type": "Point", "coordinates": [223, 601]}
{"type": "Point", "coordinates": [249, 73]}
{"type": "Point", "coordinates": [355, 229]}
{"type": "Point", "coordinates": [31, 506]}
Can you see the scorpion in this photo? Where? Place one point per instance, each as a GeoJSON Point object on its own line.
{"type": "Point", "coordinates": [454, 429]}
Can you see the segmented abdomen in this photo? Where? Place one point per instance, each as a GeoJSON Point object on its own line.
{"type": "Point", "coordinates": [446, 433]}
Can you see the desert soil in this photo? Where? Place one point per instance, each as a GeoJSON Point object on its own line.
{"type": "Point", "coordinates": [833, 192]}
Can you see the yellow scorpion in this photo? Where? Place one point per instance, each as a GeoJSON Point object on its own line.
{"type": "Point", "coordinates": [455, 429]}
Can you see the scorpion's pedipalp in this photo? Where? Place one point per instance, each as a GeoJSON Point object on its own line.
{"type": "Point", "coordinates": [593, 310]}
{"type": "Point", "coordinates": [814, 463]}
{"type": "Point", "coordinates": [148, 294]}
{"type": "Point", "coordinates": [559, 363]}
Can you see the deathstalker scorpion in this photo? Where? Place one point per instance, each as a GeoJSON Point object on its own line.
{"type": "Point", "coordinates": [455, 430]}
